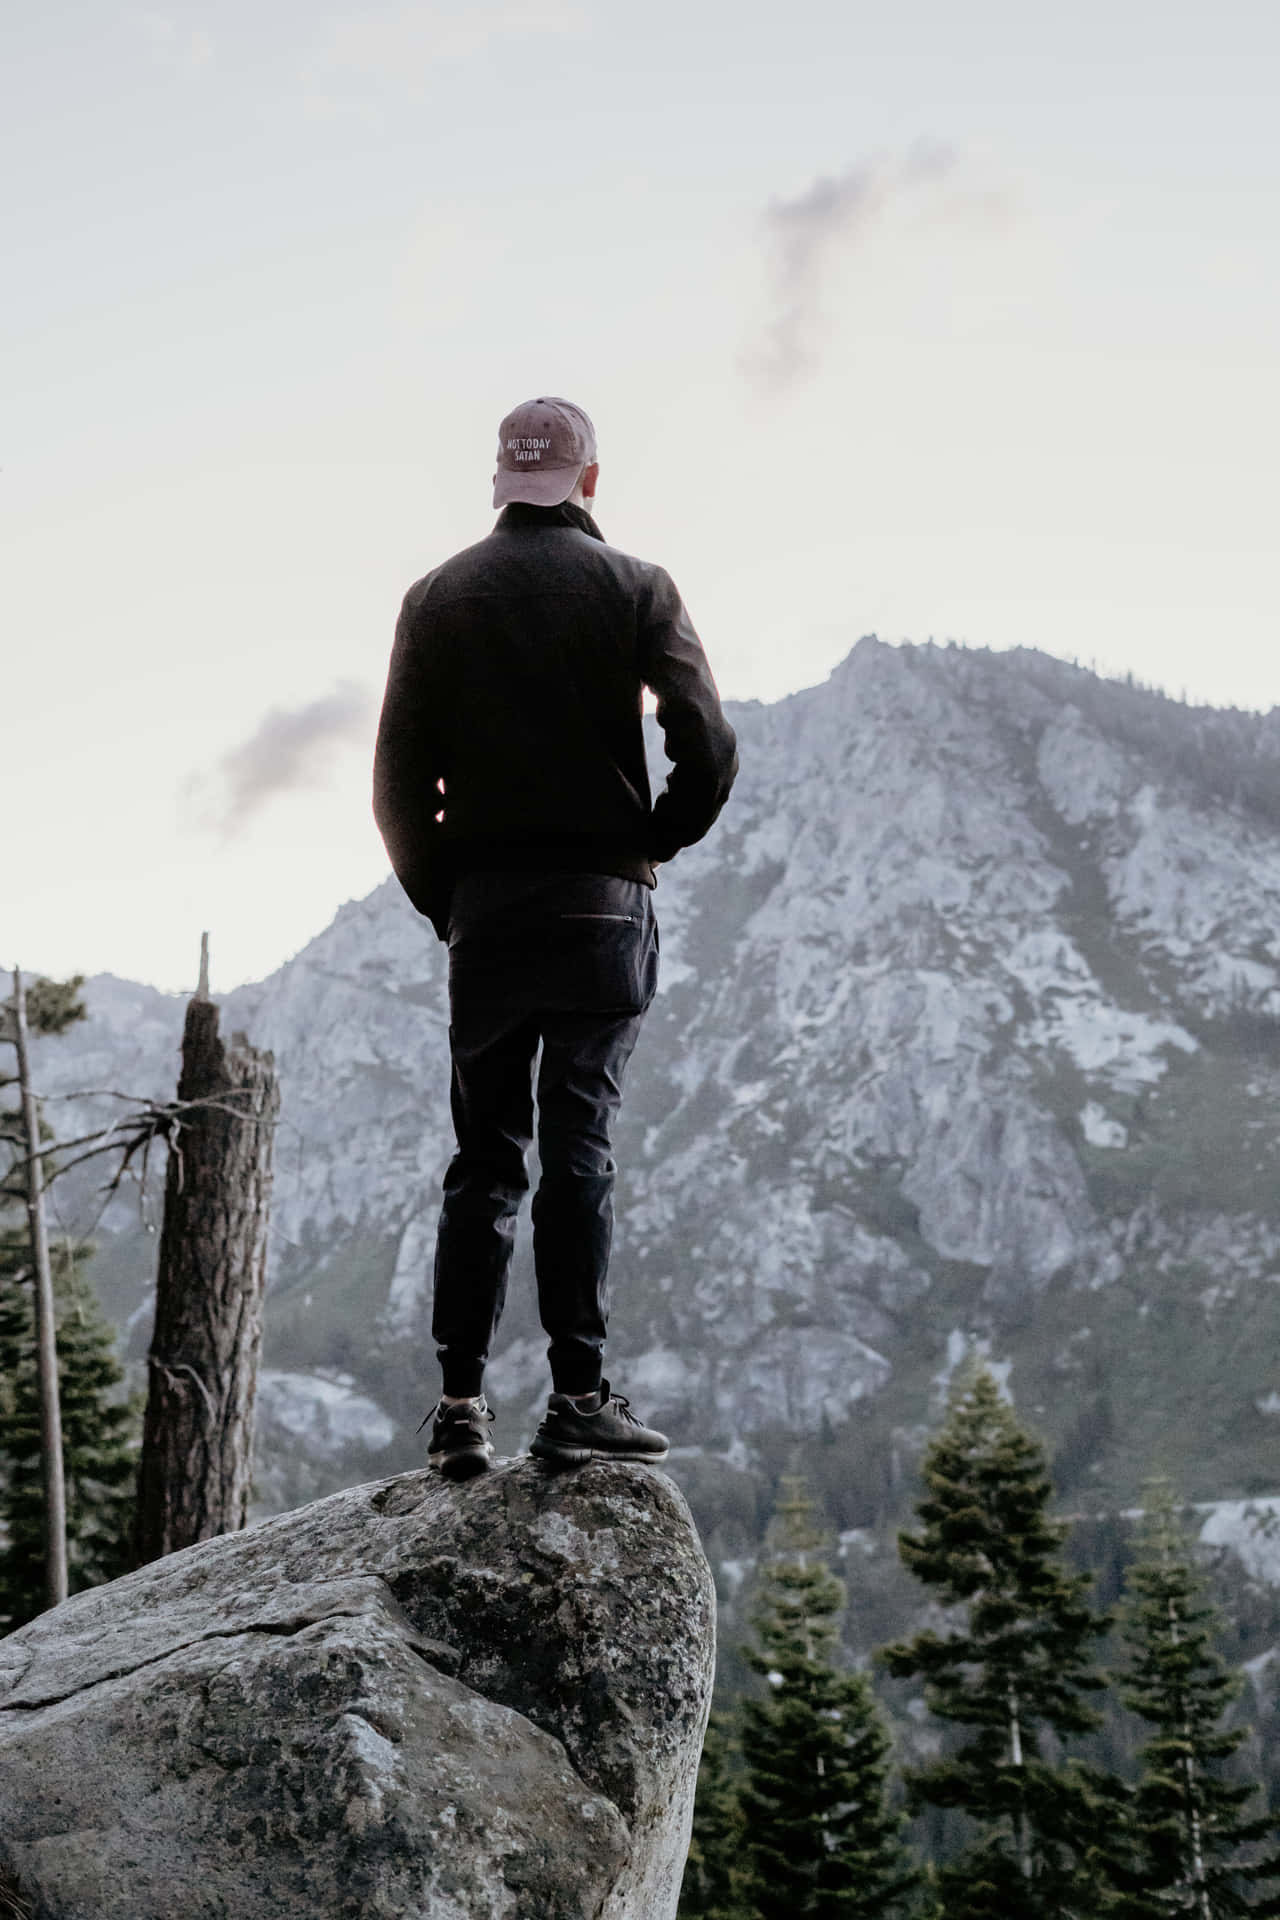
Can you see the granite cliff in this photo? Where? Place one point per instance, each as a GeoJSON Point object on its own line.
{"type": "Point", "coordinates": [969, 1033]}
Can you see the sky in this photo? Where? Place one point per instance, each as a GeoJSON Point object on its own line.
{"type": "Point", "coordinates": [923, 320]}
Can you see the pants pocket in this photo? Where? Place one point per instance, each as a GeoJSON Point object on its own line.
{"type": "Point", "coordinates": [601, 963]}
{"type": "Point", "coordinates": [566, 943]}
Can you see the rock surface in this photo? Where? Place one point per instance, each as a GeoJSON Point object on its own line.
{"type": "Point", "coordinates": [409, 1700]}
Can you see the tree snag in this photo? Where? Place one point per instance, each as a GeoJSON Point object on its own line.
{"type": "Point", "coordinates": [197, 1444]}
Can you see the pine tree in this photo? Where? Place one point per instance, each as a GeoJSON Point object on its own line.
{"type": "Point", "coordinates": [1014, 1668]}
{"type": "Point", "coordinates": [822, 1843]}
{"type": "Point", "coordinates": [52, 1007]}
{"type": "Point", "coordinates": [1194, 1848]}
{"type": "Point", "coordinates": [99, 1430]}
{"type": "Point", "coordinates": [43, 1006]}
{"type": "Point", "coordinates": [713, 1875]}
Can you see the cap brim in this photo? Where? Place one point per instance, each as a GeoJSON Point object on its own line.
{"type": "Point", "coordinates": [539, 487]}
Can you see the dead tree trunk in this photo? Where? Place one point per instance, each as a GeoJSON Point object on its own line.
{"type": "Point", "coordinates": [193, 1479]}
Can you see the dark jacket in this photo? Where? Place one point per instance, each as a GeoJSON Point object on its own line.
{"type": "Point", "coordinates": [511, 734]}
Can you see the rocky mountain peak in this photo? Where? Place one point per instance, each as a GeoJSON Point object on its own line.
{"type": "Point", "coordinates": [969, 1020]}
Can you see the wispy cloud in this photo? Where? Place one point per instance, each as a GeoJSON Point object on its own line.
{"type": "Point", "coordinates": [809, 236]}
{"type": "Point", "coordinates": [375, 51]}
{"type": "Point", "coordinates": [291, 748]}
{"type": "Point", "coordinates": [173, 43]}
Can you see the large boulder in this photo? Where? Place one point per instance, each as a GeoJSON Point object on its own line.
{"type": "Point", "coordinates": [413, 1700]}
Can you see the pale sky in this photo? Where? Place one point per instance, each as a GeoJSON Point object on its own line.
{"type": "Point", "coordinates": [924, 320]}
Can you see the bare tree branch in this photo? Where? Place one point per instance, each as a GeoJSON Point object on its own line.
{"type": "Point", "coordinates": [164, 1117]}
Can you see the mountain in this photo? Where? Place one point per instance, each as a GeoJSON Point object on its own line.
{"type": "Point", "coordinates": [969, 1034]}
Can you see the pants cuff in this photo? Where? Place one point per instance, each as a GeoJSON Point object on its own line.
{"type": "Point", "coordinates": [462, 1376]}
{"type": "Point", "coordinates": [575, 1385]}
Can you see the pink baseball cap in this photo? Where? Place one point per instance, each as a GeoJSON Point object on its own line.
{"type": "Point", "coordinates": [543, 446]}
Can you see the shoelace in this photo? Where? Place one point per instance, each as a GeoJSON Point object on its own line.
{"type": "Point", "coordinates": [440, 1411]}
{"type": "Point", "coordinates": [619, 1400]}
{"type": "Point", "coordinates": [608, 1398]}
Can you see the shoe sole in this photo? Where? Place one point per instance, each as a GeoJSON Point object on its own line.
{"type": "Point", "coordinates": [461, 1465]}
{"type": "Point", "coordinates": [567, 1456]}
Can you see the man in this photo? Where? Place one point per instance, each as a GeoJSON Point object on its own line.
{"type": "Point", "coordinates": [511, 790]}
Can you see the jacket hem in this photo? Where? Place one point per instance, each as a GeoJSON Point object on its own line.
{"type": "Point", "coordinates": [550, 856]}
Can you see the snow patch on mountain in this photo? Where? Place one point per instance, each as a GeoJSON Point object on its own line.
{"type": "Point", "coordinates": [1250, 1529]}
{"type": "Point", "coordinates": [1084, 777]}
{"type": "Point", "coordinates": [323, 1412]}
{"type": "Point", "coordinates": [1099, 1129]}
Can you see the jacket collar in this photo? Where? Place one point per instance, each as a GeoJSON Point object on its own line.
{"type": "Point", "coordinates": [521, 513]}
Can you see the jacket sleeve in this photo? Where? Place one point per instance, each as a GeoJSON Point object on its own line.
{"type": "Point", "coordinates": [408, 768]}
{"type": "Point", "coordinates": [698, 739]}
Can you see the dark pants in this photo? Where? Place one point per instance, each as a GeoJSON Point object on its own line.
{"type": "Point", "coordinates": [568, 961]}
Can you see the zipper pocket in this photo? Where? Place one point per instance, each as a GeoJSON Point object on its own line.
{"type": "Point", "coordinates": [623, 919]}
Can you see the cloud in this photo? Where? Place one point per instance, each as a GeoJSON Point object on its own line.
{"type": "Point", "coordinates": [291, 748]}
{"type": "Point", "coordinates": [809, 236]}
{"type": "Point", "coordinates": [173, 45]}
{"type": "Point", "coordinates": [376, 52]}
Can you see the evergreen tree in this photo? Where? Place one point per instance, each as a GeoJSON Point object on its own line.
{"type": "Point", "coordinates": [713, 1877]}
{"type": "Point", "coordinates": [52, 1007]}
{"type": "Point", "coordinates": [1014, 1668]}
{"type": "Point", "coordinates": [1194, 1849]}
{"type": "Point", "coordinates": [98, 1431]}
{"type": "Point", "coordinates": [821, 1841]}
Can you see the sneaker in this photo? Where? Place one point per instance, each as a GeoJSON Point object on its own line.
{"type": "Point", "coordinates": [572, 1433]}
{"type": "Point", "coordinates": [460, 1445]}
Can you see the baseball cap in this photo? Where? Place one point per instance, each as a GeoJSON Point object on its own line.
{"type": "Point", "coordinates": [543, 445]}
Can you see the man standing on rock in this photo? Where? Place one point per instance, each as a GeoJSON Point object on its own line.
{"type": "Point", "coordinates": [511, 791]}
